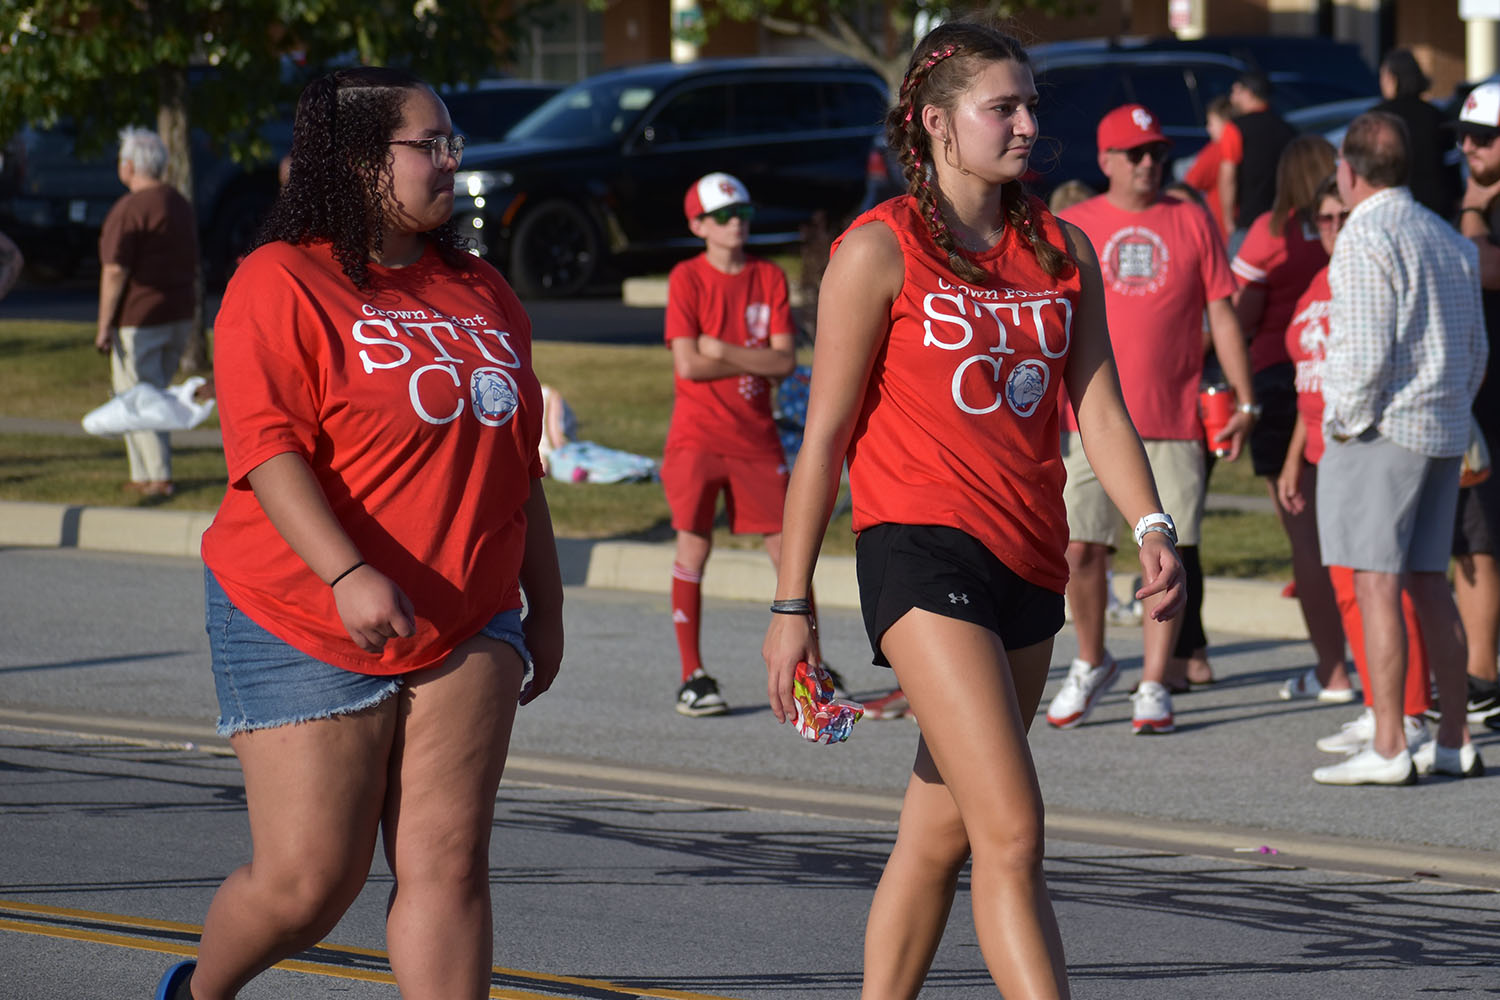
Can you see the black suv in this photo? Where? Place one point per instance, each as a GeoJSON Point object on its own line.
{"type": "Point", "coordinates": [597, 174]}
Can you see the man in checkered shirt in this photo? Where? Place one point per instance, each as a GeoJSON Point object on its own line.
{"type": "Point", "coordinates": [1406, 353]}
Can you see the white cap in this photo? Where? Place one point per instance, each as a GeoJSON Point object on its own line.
{"type": "Point", "coordinates": [714, 191]}
{"type": "Point", "coordinates": [1481, 108]}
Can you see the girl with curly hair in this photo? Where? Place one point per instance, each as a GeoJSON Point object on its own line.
{"type": "Point", "coordinates": [948, 321]}
{"type": "Point", "coordinates": [365, 571]}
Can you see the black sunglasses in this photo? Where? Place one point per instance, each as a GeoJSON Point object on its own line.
{"type": "Point", "coordinates": [1135, 154]}
{"type": "Point", "coordinates": [1480, 140]}
{"type": "Point", "coordinates": [1330, 218]}
{"type": "Point", "coordinates": [723, 215]}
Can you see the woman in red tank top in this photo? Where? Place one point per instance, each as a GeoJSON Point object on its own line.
{"type": "Point", "coordinates": [948, 320]}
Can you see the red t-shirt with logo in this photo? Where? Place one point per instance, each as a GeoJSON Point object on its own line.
{"type": "Point", "coordinates": [731, 415]}
{"type": "Point", "coordinates": [1204, 172]}
{"type": "Point", "coordinates": [1283, 265]}
{"type": "Point", "coordinates": [1161, 268]}
{"type": "Point", "coordinates": [959, 421]}
{"type": "Point", "coordinates": [415, 405]}
{"type": "Point", "coordinates": [1307, 346]}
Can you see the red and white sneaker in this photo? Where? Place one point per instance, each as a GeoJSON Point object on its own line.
{"type": "Point", "coordinates": [891, 705]}
{"type": "Point", "coordinates": [1081, 691]}
{"type": "Point", "coordinates": [1153, 709]}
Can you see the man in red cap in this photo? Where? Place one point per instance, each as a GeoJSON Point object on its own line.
{"type": "Point", "coordinates": [1163, 265]}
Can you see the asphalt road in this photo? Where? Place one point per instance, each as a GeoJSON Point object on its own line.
{"type": "Point", "coordinates": [638, 852]}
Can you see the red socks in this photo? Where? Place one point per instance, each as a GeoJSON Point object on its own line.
{"type": "Point", "coordinates": [687, 603]}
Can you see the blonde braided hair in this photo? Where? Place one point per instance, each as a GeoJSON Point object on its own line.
{"type": "Point", "coordinates": [941, 69]}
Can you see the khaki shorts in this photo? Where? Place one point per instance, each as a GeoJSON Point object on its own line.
{"type": "Point", "coordinates": [1181, 480]}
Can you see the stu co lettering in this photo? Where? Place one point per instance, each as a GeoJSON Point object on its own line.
{"type": "Point", "coordinates": [959, 321]}
{"type": "Point", "coordinates": [438, 386]}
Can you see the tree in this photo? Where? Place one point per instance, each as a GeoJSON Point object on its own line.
{"type": "Point", "coordinates": [835, 24]}
{"type": "Point", "coordinates": [224, 66]}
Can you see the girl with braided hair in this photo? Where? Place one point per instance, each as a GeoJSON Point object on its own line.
{"type": "Point", "coordinates": [364, 574]}
{"type": "Point", "coordinates": [948, 320]}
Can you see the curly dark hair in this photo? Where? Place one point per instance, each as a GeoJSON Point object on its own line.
{"type": "Point", "coordinates": [341, 170]}
{"type": "Point", "coordinates": [942, 67]}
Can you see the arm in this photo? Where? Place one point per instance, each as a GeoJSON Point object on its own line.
{"type": "Point", "coordinates": [1228, 193]}
{"type": "Point", "coordinates": [854, 304]}
{"type": "Point", "coordinates": [542, 581]}
{"type": "Point", "coordinates": [1229, 348]}
{"type": "Point", "coordinates": [112, 280]}
{"type": "Point", "coordinates": [1250, 307]}
{"type": "Point", "coordinates": [370, 605]}
{"type": "Point", "coordinates": [1110, 441]}
{"type": "Point", "coordinates": [1474, 222]}
{"type": "Point", "coordinates": [11, 263]}
{"type": "Point", "coordinates": [703, 358]}
{"type": "Point", "coordinates": [1289, 483]}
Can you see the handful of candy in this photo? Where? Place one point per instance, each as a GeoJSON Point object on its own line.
{"type": "Point", "coordinates": [822, 718]}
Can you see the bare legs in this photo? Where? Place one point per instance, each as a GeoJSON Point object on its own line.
{"type": "Point", "coordinates": [1320, 609]}
{"type": "Point", "coordinates": [973, 787]}
{"type": "Point", "coordinates": [317, 793]}
{"type": "Point", "coordinates": [1087, 597]}
{"type": "Point", "coordinates": [1476, 588]}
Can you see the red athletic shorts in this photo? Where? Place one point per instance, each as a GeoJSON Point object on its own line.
{"type": "Point", "coordinates": [753, 488]}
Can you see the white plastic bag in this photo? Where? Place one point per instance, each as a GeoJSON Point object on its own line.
{"type": "Point", "coordinates": [144, 407]}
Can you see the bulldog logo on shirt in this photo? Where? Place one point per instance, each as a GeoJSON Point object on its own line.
{"type": "Point", "coordinates": [1135, 261]}
{"type": "Point", "coordinates": [493, 394]}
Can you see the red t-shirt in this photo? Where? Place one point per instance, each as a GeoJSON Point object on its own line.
{"type": "Point", "coordinates": [1283, 265]}
{"type": "Point", "coordinates": [1204, 172]}
{"type": "Point", "coordinates": [959, 421]}
{"type": "Point", "coordinates": [1306, 345]}
{"type": "Point", "coordinates": [415, 405]}
{"type": "Point", "coordinates": [1161, 268]}
{"type": "Point", "coordinates": [731, 415]}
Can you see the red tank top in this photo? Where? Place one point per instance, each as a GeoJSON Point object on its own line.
{"type": "Point", "coordinates": [959, 424]}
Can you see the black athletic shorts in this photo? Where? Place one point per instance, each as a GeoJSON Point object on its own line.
{"type": "Point", "coordinates": [1271, 434]}
{"type": "Point", "coordinates": [947, 572]}
{"type": "Point", "coordinates": [1476, 529]}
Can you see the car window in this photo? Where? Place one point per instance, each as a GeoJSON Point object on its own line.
{"type": "Point", "coordinates": [850, 104]}
{"type": "Point", "coordinates": [1164, 90]}
{"type": "Point", "coordinates": [485, 115]}
{"type": "Point", "coordinates": [775, 108]}
{"type": "Point", "coordinates": [586, 111]}
{"type": "Point", "coordinates": [1070, 96]}
{"type": "Point", "coordinates": [1212, 81]}
{"type": "Point", "coordinates": [697, 114]}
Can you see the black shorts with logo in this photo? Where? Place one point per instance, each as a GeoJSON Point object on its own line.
{"type": "Point", "coordinates": [947, 572]}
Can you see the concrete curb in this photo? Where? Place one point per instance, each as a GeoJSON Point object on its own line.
{"type": "Point", "coordinates": [1247, 607]}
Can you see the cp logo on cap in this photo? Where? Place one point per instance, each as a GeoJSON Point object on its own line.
{"type": "Point", "coordinates": [1471, 103]}
{"type": "Point", "coordinates": [1142, 119]}
{"type": "Point", "coordinates": [727, 189]}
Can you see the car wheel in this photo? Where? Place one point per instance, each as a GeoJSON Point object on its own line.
{"type": "Point", "coordinates": [555, 251]}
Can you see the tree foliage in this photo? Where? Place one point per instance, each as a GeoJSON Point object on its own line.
{"type": "Point", "coordinates": [837, 24]}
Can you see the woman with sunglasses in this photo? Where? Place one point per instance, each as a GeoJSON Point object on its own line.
{"type": "Point", "coordinates": [948, 321]}
{"type": "Point", "coordinates": [364, 574]}
{"type": "Point", "coordinates": [1277, 261]}
{"type": "Point", "coordinates": [1297, 483]}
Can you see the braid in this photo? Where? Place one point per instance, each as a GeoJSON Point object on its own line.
{"type": "Point", "coordinates": [940, 69]}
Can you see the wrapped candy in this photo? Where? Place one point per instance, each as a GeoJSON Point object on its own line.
{"type": "Point", "coordinates": [821, 717]}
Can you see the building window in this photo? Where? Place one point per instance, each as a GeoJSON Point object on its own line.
{"type": "Point", "coordinates": [564, 43]}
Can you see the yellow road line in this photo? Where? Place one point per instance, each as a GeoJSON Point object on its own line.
{"type": "Point", "coordinates": [291, 965]}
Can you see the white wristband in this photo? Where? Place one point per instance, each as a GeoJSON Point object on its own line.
{"type": "Point", "coordinates": [1155, 522]}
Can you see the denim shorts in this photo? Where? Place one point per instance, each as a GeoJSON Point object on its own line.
{"type": "Point", "coordinates": [263, 682]}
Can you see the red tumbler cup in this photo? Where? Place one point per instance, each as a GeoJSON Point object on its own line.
{"type": "Point", "coordinates": [1216, 405]}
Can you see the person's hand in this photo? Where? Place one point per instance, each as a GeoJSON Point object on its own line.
{"type": "Point", "coordinates": [104, 339]}
{"type": "Point", "coordinates": [1162, 573]}
{"type": "Point", "coordinates": [373, 608]}
{"type": "Point", "coordinates": [789, 639]}
{"type": "Point", "coordinates": [1235, 432]}
{"type": "Point", "coordinates": [1477, 195]}
{"type": "Point", "coordinates": [544, 638]}
{"type": "Point", "coordinates": [1289, 486]}
{"type": "Point", "coordinates": [711, 348]}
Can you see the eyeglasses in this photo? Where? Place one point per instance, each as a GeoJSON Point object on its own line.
{"type": "Point", "coordinates": [1135, 154]}
{"type": "Point", "coordinates": [1477, 140]}
{"type": "Point", "coordinates": [1335, 219]}
{"type": "Point", "coordinates": [723, 215]}
{"type": "Point", "coordinates": [439, 147]}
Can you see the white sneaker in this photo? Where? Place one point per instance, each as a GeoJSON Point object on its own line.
{"type": "Point", "coordinates": [1081, 691]}
{"type": "Point", "coordinates": [1434, 758]}
{"type": "Point", "coordinates": [1305, 685]}
{"type": "Point", "coordinates": [1152, 712]}
{"type": "Point", "coordinates": [1369, 768]}
{"type": "Point", "coordinates": [1353, 736]}
{"type": "Point", "coordinates": [1416, 732]}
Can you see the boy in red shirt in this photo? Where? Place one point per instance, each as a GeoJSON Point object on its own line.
{"type": "Point", "coordinates": [729, 325]}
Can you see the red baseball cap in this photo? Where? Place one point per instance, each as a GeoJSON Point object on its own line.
{"type": "Point", "coordinates": [714, 191]}
{"type": "Point", "coordinates": [1129, 126]}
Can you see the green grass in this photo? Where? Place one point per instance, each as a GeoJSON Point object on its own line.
{"type": "Point", "coordinates": [622, 396]}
